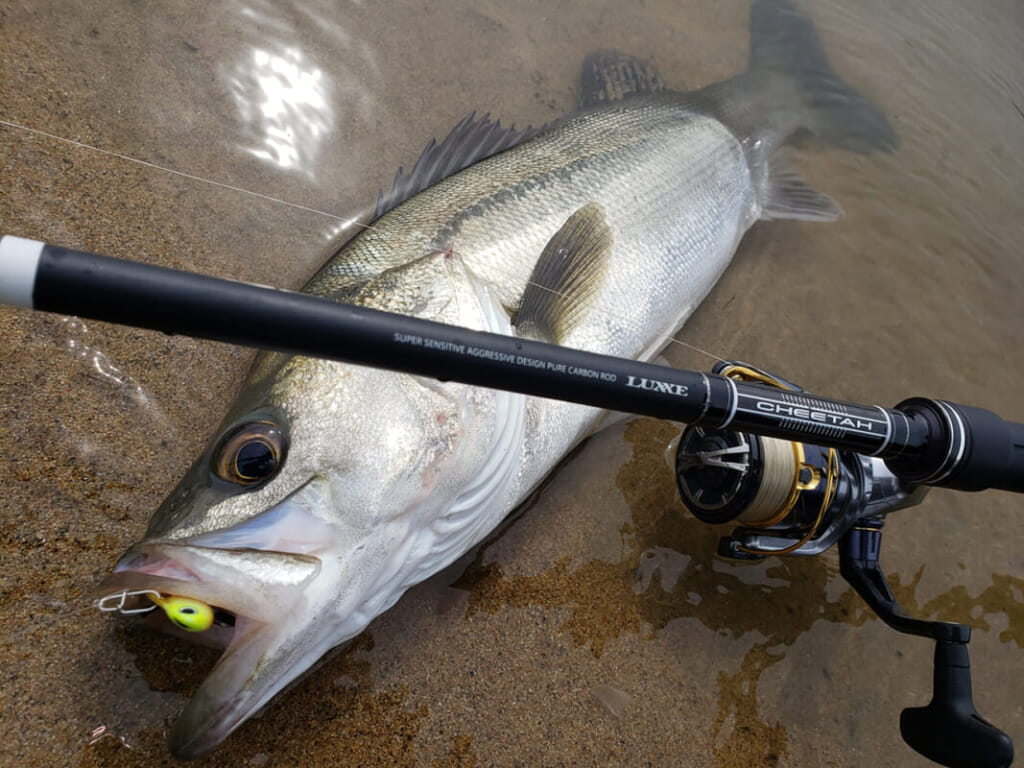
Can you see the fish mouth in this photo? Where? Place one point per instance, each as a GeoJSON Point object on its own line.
{"type": "Point", "coordinates": [256, 595]}
{"type": "Point", "coordinates": [269, 577]}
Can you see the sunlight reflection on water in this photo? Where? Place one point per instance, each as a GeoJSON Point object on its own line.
{"type": "Point", "coordinates": [284, 98]}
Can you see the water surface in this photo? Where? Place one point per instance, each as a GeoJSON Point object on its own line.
{"type": "Point", "coordinates": [602, 586]}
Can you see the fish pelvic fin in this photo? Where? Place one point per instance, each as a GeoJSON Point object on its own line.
{"type": "Point", "coordinates": [787, 196]}
{"type": "Point", "coordinates": [791, 89]}
{"type": "Point", "coordinates": [566, 277]}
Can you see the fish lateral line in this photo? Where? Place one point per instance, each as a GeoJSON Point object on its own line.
{"type": "Point", "coordinates": [448, 250]}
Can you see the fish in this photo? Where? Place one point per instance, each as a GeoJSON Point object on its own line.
{"type": "Point", "coordinates": [330, 489]}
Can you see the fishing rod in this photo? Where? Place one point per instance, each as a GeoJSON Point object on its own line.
{"type": "Point", "coordinates": [795, 472]}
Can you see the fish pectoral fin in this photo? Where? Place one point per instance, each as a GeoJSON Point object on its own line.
{"type": "Point", "coordinates": [612, 75]}
{"type": "Point", "coordinates": [566, 277]}
{"type": "Point", "coordinates": [788, 196]}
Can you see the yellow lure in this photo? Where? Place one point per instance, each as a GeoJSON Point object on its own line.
{"type": "Point", "coordinates": [191, 615]}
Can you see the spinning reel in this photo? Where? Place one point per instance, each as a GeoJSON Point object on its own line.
{"type": "Point", "coordinates": [795, 498]}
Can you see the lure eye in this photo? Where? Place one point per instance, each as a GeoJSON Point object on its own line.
{"type": "Point", "coordinates": [251, 454]}
{"type": "Point", "coordinates": [190, 615]}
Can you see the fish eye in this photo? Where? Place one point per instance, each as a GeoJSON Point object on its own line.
{"type": "Point", "coordinates": [250, 454]}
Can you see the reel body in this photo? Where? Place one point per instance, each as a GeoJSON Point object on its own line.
{"type": "Point", "coordinates": [787, 498]}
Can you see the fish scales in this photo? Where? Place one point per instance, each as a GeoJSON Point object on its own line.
{"type": "Point", "coordinates": [650, 166]}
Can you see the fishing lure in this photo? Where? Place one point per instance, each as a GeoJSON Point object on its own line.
{"type": "Point", "coordinates": [191, 615]}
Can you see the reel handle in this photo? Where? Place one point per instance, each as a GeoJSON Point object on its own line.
{"type": "Point", "coordinates": [949, 729]}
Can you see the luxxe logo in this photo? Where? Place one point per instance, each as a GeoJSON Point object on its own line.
{"type": "Point", "coordinates": [654, 385]}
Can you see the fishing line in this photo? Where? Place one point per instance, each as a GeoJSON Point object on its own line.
{"type": "Point", "coordinates": [189, 176]}
{"type": "Point", "coordinates": [349, 222]}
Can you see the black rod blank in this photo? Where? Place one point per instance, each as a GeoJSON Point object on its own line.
{"type": "Point", "coordinates": [928, 441]}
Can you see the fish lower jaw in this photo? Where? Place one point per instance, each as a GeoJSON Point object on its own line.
{"type": "Point", "coordinates": [259, 657]}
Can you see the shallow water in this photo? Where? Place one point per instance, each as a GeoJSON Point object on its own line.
{"type": "Point", "coordinates": [602, 586]}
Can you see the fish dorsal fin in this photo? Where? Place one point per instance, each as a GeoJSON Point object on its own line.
{"type": "Point", "coordinates": [469, 142]}
{"type": "Point", "coordinates": [788, 196]}
{"type": "Point", "coordinates": [613, 75]}
{"type": "Point", "coordinates": [566, 277]}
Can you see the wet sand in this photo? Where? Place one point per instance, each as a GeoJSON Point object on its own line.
{"type": "Point", "coordinates": [602, 584]}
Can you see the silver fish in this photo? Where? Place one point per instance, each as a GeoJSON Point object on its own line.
{"type": "Point", "coordinates": [331, 489]}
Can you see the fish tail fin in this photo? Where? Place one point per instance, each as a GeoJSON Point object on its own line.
{"type": "Point", "coordinates": [788, 90]}
{"type": "Point", "coordinates": [785, 51]}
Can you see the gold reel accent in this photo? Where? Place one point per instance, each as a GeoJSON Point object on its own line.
{"type": "Point", "coordinates": [738, 372]}
{"type": "Point", "coordinates": [832, 480]}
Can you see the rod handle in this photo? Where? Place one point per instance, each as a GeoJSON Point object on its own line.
{"type": "Point", "coordinates": [966, 448]}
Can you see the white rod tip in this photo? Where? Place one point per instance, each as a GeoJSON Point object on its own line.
{"type": "Point", "coordinates": [19, 261]}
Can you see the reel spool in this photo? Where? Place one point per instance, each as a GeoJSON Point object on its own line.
{"type": "Point", "coordinates": [787, 497]}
